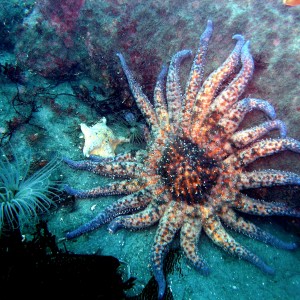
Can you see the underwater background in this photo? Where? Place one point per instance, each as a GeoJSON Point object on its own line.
{"type": "Point", "coordinates": [59, 70]}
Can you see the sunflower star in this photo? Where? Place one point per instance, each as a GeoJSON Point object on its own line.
{"type": "Point", "coordinates": [192, 174]}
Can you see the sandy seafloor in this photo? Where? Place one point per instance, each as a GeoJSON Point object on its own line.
{"type": "Point", "coordinates": [230, 278]}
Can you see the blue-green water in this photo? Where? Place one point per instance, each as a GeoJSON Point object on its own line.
{"type": "Point", "coordinates": [59, 69]}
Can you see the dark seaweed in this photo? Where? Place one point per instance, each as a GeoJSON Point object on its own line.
{"type": "Point", "coordinates": [38, 267]}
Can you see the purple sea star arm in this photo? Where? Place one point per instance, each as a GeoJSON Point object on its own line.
{"type": "Point", "coordinates": [252, 206]}
{"type": "Point", "coordinates": [266, 178]}
{"type": "Point", "coordinates": [160, 103]}
{"type": "Point", "coordinates": [115, 169]}
{"type": "Point", "coordinates": [239, 224]}
{"type": "Point", "coordinates": [216, 232]}
{"type": "Point", "coordinates": [139, 220]}
{"type": "Point", "coordinates": [125, 205]}
{"type": "Point", "coordinates": [80, 164]}
{"type": "Point", "coordinates": [169, 224]}
{"type": "Point", "coordinates": [124, 187]}
{"type": "Point", "coordinates": [265, 148]}
{"type": "Point", "coordinates": [196, 74]}
{"type": "Point", "coordinates": [128, 156]}
{"type": "Point", "coordinates": [141, 99]}
{"type": "Point", "coordinates": [189, 238]}
{"type": "Point", "coordinates": [207, 93]}
{"type": "Point", "coordinates": [174, 94]}
{"type": "Point", "coordinates": [231, 94]}
{"type": "Point", "coordinates": [145, 218]}
{"type": "Point", "coordinates": [233, 118]}
{"type": "Point", "coordinates": [245, 137]}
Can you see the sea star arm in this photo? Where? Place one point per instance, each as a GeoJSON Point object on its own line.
{"type": "Point", "coordinates": [231, 94]}
{"type": "Point", "coordinates": [125, 205]}
{"type": "Point", "coordinates": [174, 95]}
{"type": "Point", "coordinates": [229, 123]}
{"type": "Point", "coordinates": [131, 156]}
{"type": "Point", "coordinates": [80, 164]}
{"type": "Point", "coordinates": [196, 76]}
{"type": "Point", "coordinates": [231, 219]}
{"type": "Point", "coordinates": [261, 149]}
{"type": "Point", "coordinates": [210, 86]}
{"type": "Point", "coordinates": [233, 118]}
{"type": "Point", "coordinates": [141, 99]}
{"type": "Point", "coordinates": [216, 232]}
{"type": "Point", "coordinates": [119, 169]}
{"type": "Point", "coordinates": [124, 187]}
{"type": "Point", "coordinates": [160, 103]}
{"type": "Point", "coordinates": [169, 224]}
{"type": "Point", "coordinates": [266, 178]}
{"type": "Point", "coordinates": [143, 219]}
{"type": "Point", "coordinates": [156, 148]}
{"type": "Point", "coordinates": [112, 169]}
{"type": "Point", "coordinates": [189, 236]}
{"type": "Point", "coordinates": [248, 136]}
{"type": "Point", "coordinates": [245, 137]}
{"type": "Point", "coordinates": [252, 206]}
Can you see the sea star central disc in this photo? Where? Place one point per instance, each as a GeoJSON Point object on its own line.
{"type": "Point", "coordinates": [187, 170]}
